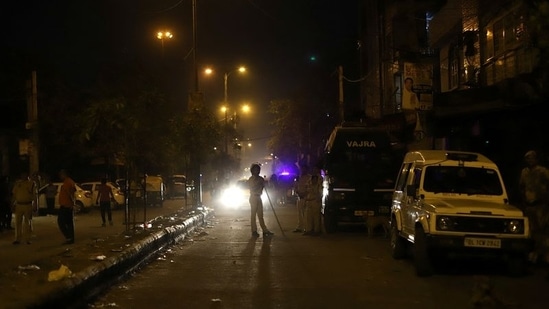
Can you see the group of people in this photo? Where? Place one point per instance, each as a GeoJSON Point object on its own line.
{"type": "Point", "coordinates": [309, 190]}
{"type": "Point", "coordinates": [22, 202]}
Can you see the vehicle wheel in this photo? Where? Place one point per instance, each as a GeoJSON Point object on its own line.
{"type": "Point", "coordinates": [78, 207]}
{"type": "Point", "coordinates": [422, 258]}
{"type": "Point", "coordinates": [330, 223]}
{"type": "Point", "coordinates": [398, 244]}
{"type": "Point", "coordinates": [516, 265]}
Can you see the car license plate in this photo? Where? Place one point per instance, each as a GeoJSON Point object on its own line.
{"type": "Point", "coordinates": [482, 242]}
{"type": "Point", "coordinates": [362, 213]}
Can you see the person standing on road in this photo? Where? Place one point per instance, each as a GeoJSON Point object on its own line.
{"type": "Point", "coordinates": [534, 185]}
{"type": "Point", "coordinates": [300, 188]}
{"type": "Point", "coordinates": [274, 188]}
{"type": "Point", "coordinates": [24, 199]}
{"type": "Point", "coordinates": [104, 199]}
{"type": "Point", "coordinates": [313, 204]}
{"type": "Point", "coordinates": [51, 192]}
{"type": "Point", "coordinates": [256, 184]}
{"type": "Point", "coordinates": [65, 217]}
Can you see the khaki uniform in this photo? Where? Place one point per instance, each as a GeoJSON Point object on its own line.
{"type": "Point", "coordinates": [301, 190]}
{"type": "Point", "coordinates": [24, 193]}
{"type": "Point", "coordinates": [256, 184]}
{"type": "Point", "coordinates": [313, 204]}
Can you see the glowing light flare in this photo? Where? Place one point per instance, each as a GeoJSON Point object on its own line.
{"type": "Point", "coordinates": [164, 35]}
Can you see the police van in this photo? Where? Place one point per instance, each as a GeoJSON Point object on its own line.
{"type": "Point", "coordinates": [452, 204]}
{"type": "Point", "coordinates": [359, 166]}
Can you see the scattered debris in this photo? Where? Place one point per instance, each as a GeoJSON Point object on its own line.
{"type": "Point", "coordinates": [98, 258]}
{"type": "Point", "coordinates": [107, 305]}
{"type": "Point", "coordinates": [29, 267]}
{"type": "Point", "coordinates": [58, 274]}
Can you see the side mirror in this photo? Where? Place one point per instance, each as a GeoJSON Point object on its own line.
{"type": "Point", "coordinates": [411, 190]}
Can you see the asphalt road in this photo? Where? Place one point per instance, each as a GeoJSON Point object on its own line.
{"type": "Point", "coordinates": [222, 266]}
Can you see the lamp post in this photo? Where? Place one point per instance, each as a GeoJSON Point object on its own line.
{"type": "Point", "coordinates": [225, 107]}
{"type": "Point", "coordinates": [226, 78]}
{"type": "Point", "coordinates": [162, 35]}
{"type": "Point", "coordinates": [225, 110]}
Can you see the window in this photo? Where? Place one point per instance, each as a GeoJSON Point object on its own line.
{"type": "Point", "coordinates": [510, 65]}
{"type": "Point", "coordinates": [499, 70]}
{"type": "Point", "coordinates": [489, 50]}
{"type": "Point", "coordinates": [498, 37]}
{"type": "Point", "coordinates": [509, 31]}
{"type": "Point", "coordinates": [401, 182]}
{"type": "Point", "coordinates": [417, 177]}
{"type": "Point", "coordinates": [453, 65]}
{"type": "Point", "coordinates": [462, 180]}
{"type": "Point", "coordinates": [489, 72]}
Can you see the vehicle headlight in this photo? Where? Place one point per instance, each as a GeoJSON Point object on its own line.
{"type": "Point", "coordinates": [514, 226]}
{"type": "Point", "coordinates": [444, 223]}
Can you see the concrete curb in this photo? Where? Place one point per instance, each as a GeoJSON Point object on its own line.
{"type": "Point", "coordinates": [84, 285]}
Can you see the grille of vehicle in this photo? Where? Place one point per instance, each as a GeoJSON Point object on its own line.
{"type": "Point", "coordinates": [478, 225]}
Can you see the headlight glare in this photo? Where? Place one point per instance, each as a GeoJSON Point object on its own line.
{"type": "Point", "coordinates": [444, 223]}
{"type": "Point", "coordinates": [514, 226]}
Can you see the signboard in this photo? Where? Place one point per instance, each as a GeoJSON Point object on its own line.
{"type": "Point", "coordinates": [24, 145]}
{"type": "Point", "coordinates": [417, 90]}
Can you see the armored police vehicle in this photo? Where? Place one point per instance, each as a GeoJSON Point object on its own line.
{"type": "Point", "coordinates": [360, 165]}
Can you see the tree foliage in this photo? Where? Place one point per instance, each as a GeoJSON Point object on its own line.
{"type": "Point", "coordinates": [300, 129]}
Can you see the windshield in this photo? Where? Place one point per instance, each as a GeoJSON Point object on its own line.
{"type": "Point", "coordinates": [376, 167]}
{"type": "Point", "coordinates": [458, 179]}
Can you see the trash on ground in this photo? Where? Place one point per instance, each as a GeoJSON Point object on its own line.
{"type": "Point", "coordinates": [58, 274]}
{"type": "Point", "coordinates": [29, 267]}
{"type": "Point", "coordinates": [98, 258]}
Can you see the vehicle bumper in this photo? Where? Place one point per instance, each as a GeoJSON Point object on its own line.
{"type": "Point", "coordinates": [457, 244]}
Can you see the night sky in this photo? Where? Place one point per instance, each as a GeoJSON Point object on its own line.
{"type": "Point", "coordinates": [275, 40]}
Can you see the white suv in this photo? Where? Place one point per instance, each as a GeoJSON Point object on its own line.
{"type": "Point", "coordinates": [455, 202]}
{"type": "Point", "coordinates": [83, 199]}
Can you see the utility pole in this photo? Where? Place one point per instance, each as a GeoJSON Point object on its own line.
{"type": "Point", "coordinates": [341, 107]}
{"type": "Point", "coordinates": [32, 124]}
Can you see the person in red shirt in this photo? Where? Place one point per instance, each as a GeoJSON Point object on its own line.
{"type": "Point", "coordinates": [104, 198]}
{"type": "Point", "coordinates": [65, 217]}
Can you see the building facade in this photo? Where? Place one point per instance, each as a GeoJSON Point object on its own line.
{"type": "Point", "coordinates": [461, 74]}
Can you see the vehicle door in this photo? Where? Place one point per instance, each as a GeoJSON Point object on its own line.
{"type": "Point", "coordinates": [413, 200]}
{"type": "Point", "coordinates": [399, 194]}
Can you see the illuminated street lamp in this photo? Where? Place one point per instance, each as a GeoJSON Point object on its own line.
{"type": "Point", "coordinates": [225, 107]}
{"type": "Point", "coordinates": [226, 78]}
{"type": "Point", "coordinates": [163, 35]}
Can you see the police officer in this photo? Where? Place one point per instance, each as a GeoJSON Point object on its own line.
{"type": "Point", "coordinates": [24, 195]}
{"type": "Point", "coordinates": [313, 204]}
{"type": "Point", "coordinates": [256, 184]}
{"type": "Point", "coordinates": [534, 185]}
{"type": "Point", "coordinates": [300, 188]}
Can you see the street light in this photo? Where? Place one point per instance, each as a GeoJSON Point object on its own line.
{"type": "Point", "coordinates": [163, 35]}
{"type": "Point", "coordinates": [226, 78]}
{"type": "Point", "coordinates": [225, 108]}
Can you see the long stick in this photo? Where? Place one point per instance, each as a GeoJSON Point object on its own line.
{"type": "Point", "coordinates": [274, 212]}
